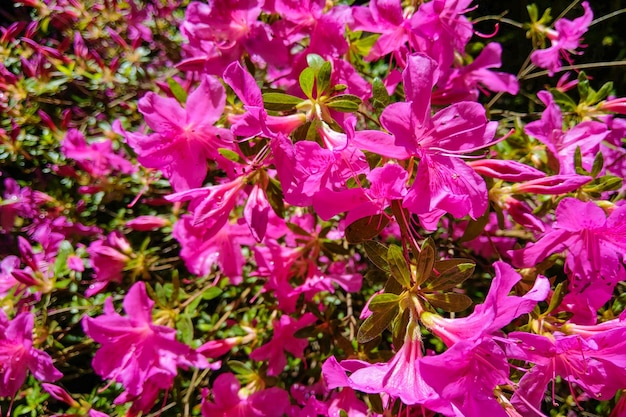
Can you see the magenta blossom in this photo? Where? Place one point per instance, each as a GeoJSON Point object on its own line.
{"type": "Point", "coordinates": [185, 138]}
{"type": "Point", "coordinates": [283, 340]}
{"type": "Point", "coordinates": [595, 248]}
{"type": "Point", "coordinates": [229, 402]}
{"type": "Point", "coordinates": [444, 183]}
{"type": "Point", "coordinates": [18, 356]}
{"type": "Point", "coordinates": [98, 159]}
{"type": "Point", "coordinates": [140, 355]}
{"type": "Point", "coordinates": [565, 39]}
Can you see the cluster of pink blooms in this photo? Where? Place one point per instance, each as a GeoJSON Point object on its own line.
{"type": "Point", "coordinates": [229, 155]}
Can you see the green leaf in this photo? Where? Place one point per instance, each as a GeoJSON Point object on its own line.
{"type": "Point", "coordinates": [211, 293]}
{"type": "Point", "coordinates": [323, 78]}
{"type": "Point", "coordinates": [185, 327]}
{"type": "Point", "coordinates": [380, 96]}
{"type": "Point", "coordinates": [315, 61]}
{"type": "Point", "coordinates": [452, 277]}
{"type": "Point", "coordinates": [450, 301]}
{"type": "Point", "coordinates": [601, 94]}
{"type": "Point", "coordinates": [563, 100]}
{"type": "Point", "coordinates": [425, 261]}
{"type": "Point", "coordinates": [231, 155]}
{"type": "Point", "coordinates": [307, 80]}
{"type": "Point", "coordinates": [383, 302]}
{"type": "Point", "coordinates": [533, 13]}
{"type": "Point", "coordinates": [178, 91]}
{"type": "Point", "coordinates": [398, 266]}
{"type": "Point", "coordinates": [375, 324]}
{"type": "Point", "coordinates": [275, 197]}
{"type": "Point", "coordinates": [377, 253]}
{"type": "Point", "coordinates": [583, 86]}
{"type": "Point", "coordinates": [399, 328]}
{"type": "Point", "coordinates": [578, 162]}
{"type": "Point", "coordinates": [280, 101]}
{"type": "Point", "coordinates": [598, 163]}
{"type": "Point", "coordinates": [602, 184]}
{"type": "Point", "coordinates": [60, 263]}
{"type": "Point", "coordinates": [475, 227]}
{"type": "Point", "coordinates": [557, 297]}
{"type": "Point", "coordinates": [366, 228]}
{"type": "Point", "coordinates": [240, 368]}
{"type": "Point", "coordinates": [344, 103]}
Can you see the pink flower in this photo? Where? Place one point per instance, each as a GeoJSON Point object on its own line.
{"type": "Point", "coordinates": [444, 183]}
{"type": "Point", "coordinates": [595, 247]}
{"type": "Point", "coordinates": [399, 378]}
{"type": "Point", "coordinates": [17, 355]}
{"type": "Point", "coordinates": [562, 144]}
{"type": "Point", "coordinates": [184, 138]}
{"type": "Point", "coordinates": [229, 402]}
{"type": "Point", "coordinates": [140, 355]}
{"type": "Point", "coordinates": [283, 340]}
{"type": "Point", "coordinates": [565, 38]}
{"type": "Point", "coordinates": [108, 258]}
{"type": "Point", "coordinates": [96, 158]}
{"type": "Point", "coordinates": [595, 364]}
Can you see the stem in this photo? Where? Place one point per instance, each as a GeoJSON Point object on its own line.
{"type": "Point", "coordinates": [579, 66]}
{"type": "Point", "coordinates": [607, 16]}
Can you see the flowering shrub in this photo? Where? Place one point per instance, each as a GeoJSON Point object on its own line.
{"type": "Point", "coordinates": [287, 208]}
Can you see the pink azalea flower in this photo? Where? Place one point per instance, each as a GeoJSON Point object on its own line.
{"type": "Point", "coordinates": [229, 402]}
{"type": "Point", "coordinates": [108, 258]}
{"type": "Point", "coordinates": [220, 33]}
{"type": "Point", "coordinates": [387, 183]}
{"type": "Point", "coordinates": [562, 145]}
{"type": "Point", "coordinates": [96, 158]}
{"type": "Point", "coordinates": [283, 340]}
{"type": "Point", "coordinates": [460, 84]}
{"type": "Point", "coordinates": [18, 356]}
{"type": "Point", "coordinates": [444, 183]}
{"type": "Point", "coordinates": [140, 355]}
{"type": "Point", "coordinates": [498, 310]}
{"type": "Point", "coordinates": [401, 377]}
{"type": "Point", "coordinates": [185, 138]}
{"type": "Point", "coordinates": [595, 364]}
{"type": "Point", "coordinates": [595, 248]}
{"type": "Point", "coordinates": [565, 39]}
{"type": "Point", "coordinates": [202, 251]}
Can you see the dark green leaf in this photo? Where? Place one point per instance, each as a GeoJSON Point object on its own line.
{"type": "Point", "coordinates": [323, 78]}
{"type": "Point", "coordinates": [475, 227]}
{"type": "Point", "coordinates": [383, 302]}
{"type": "Point", "coordinates": [211, 293]}
{"type": "Point", "coordinates": [598, 163]}
{"type": "Point", "coordinates": [240, 368]}
{"type": "Point", "coordinates": [375, 324]}
{"type": "Point", "coordinates": [344, 103]}
{"type": "Point", "coordinates": [425, 261]}
{"type": "Point", "coordinates": [563, 100]}
{"type": "Point", "coordinates": [583, 86]}
{"type": "Point", "coordinates": [280, 101]}
{"type": "Point", "coordinates": [578, 162]}
{"type": "Point", "coordinates": [377, 253]}
{"type": "Point", "coordinates": [366, 228]}
{"type": "Point", "coordinates": [307, 80]}
{"type": "Point", "coordinates": [275, 197]}
{"type": "Point", "coordinates": [557, 297]}
{"type": "Point", "coordinates": [452, 277]}
{"type": "Point", "coordinates": [399, 327]}
{"type": "Point", "coordinates": [178, 91]}
{"type": "Point", "coordinates": [398, 266]}
{"type": "Point", "coordinates": [602, 184]}
{"type": "Point", "coordinates": [450, 301]}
